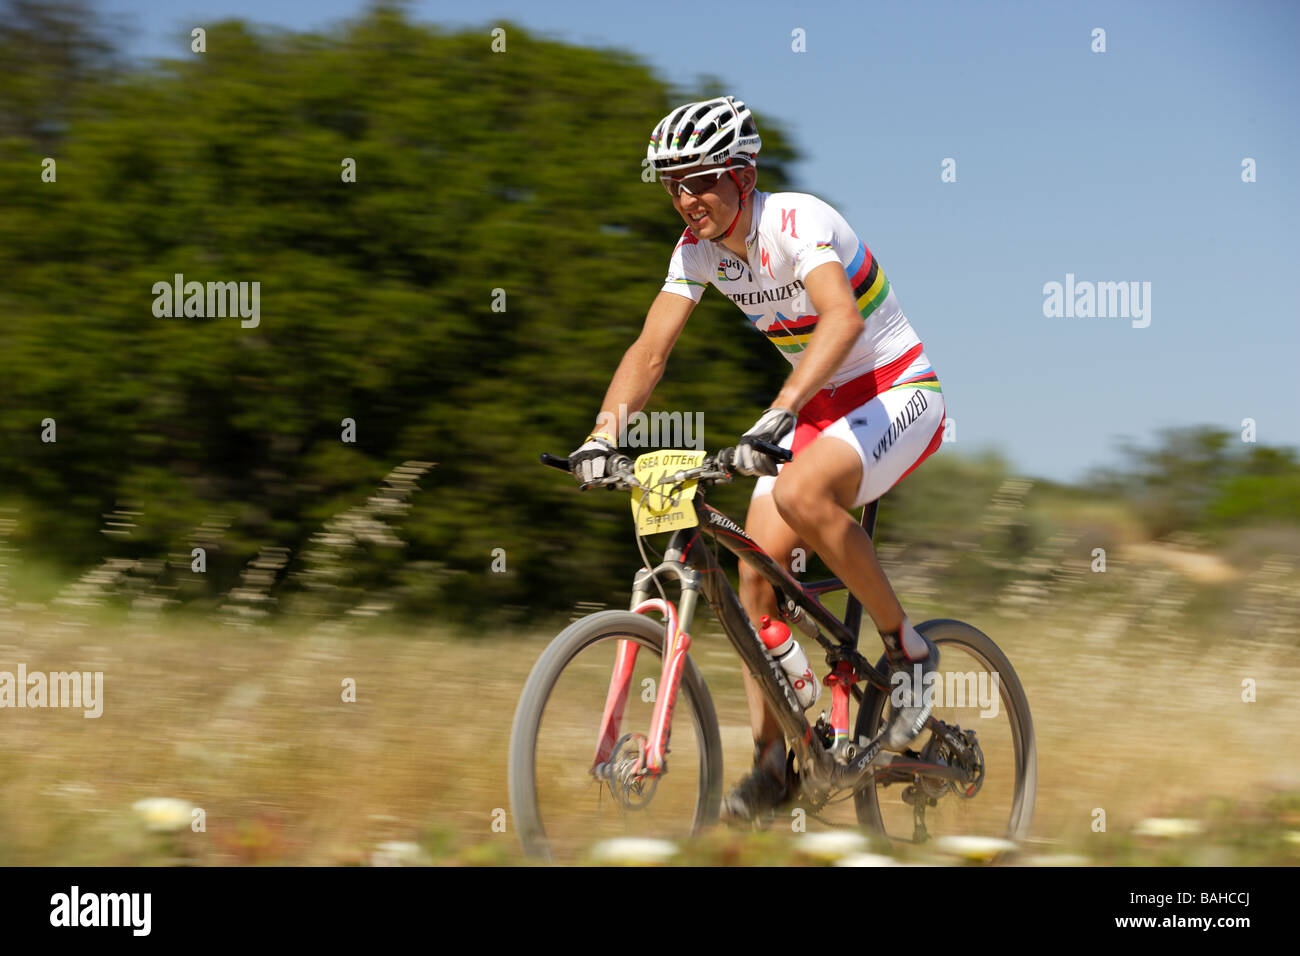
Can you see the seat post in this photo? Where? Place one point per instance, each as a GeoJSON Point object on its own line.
{"type": "Point", "coordinates": [853, 608]}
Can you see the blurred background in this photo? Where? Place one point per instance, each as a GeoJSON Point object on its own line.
{"type": "Point", "coordinates": [1118, 507]}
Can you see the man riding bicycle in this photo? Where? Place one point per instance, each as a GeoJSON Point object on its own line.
{"type": "Point", "coordinates": [861, 408]}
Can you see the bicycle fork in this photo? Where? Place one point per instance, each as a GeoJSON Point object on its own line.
{"type": "Point", "coordinates": [653, 748]}
{"type": "Point", "coordinates": [655, 744]}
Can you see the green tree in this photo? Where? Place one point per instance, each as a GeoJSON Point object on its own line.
{"type": "Point", "coordinates": [475, 172]}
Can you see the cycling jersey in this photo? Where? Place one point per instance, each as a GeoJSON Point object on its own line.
{"type": "Point", "coordinates": [884, 400]}
{"type": "Point", "coordinates": [791, 234]}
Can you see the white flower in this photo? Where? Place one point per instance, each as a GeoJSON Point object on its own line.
{"type": "Point", "coordinates": [633, 850]}
{"type": "Point", "coordinates": [866, 859]}
{"type": "Point", "coordinates": [1157, 827]}
{"type": "Point", "coordinates": [164, 814]}
{"type": "Point", "coordinates": [398, 853]}
{"type": "Point", "coordinates": [980, 848]}
{"type": "Point", "coordinates": [832, 844]}
{"type": "Point", "coordinates": [1058, 859]}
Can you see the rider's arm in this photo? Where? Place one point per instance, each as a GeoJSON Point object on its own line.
{"type": "Point", "coordinates": [839, 324]}
{"type": "Point", "coordinates": [644, 362]}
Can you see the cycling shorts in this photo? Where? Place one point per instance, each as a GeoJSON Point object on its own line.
{"type": "Point", "coordinates": [892, 417]}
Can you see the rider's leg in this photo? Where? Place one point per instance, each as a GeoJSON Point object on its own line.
{"type": "Point", "coordinates": [779, 540]}
{"type": "Point", "coordinates": [855, 460]}
{"type": "Point", "coordinates": [765, 787]}
{"type": "Point", "coordinates": [813, 494]}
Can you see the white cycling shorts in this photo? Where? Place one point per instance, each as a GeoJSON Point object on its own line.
{"type": "Point", "coordinates": [892, 432]}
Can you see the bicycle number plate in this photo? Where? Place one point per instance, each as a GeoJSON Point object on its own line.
{"type": "Point", "coordinates": [654, 510]}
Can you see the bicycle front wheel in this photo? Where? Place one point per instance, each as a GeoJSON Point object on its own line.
{"type": "Point", "coordinates": [561, 808]}
{"type": "Point", "coordinates": [978, 692]}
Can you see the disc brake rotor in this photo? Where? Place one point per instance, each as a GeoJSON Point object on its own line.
{"type": "Point", "coordinates": [628, 780]}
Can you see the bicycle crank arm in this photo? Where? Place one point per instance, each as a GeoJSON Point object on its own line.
{"type": "Point", "coordinates": [895, 768]}
{"type": "Point", "coordinates": [852, 773]}
{"type": "Point", "coordinates": [902, 769]}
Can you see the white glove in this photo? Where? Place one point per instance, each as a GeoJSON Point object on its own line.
{"type": "Point", "coordinates": [775, 424]}
{"type": "Point", "coordinates": [591, 460]}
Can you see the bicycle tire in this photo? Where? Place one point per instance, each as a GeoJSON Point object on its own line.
{"type": "Point", "coordinates": [604, 625]}
{"type": "Point", "coordinates": [982, 647]}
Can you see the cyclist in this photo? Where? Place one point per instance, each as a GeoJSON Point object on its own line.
{"type": "Point", "coordinates": [861, 408]}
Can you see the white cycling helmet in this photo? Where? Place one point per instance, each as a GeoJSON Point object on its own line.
{"type": "Point", "coordinates": [704, 133]}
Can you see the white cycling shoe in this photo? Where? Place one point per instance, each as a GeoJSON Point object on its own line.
{"type": "Point", "coordinates": [912, 707]}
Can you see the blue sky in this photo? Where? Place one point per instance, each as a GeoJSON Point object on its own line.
{"type": "Point", "coordinates": [1117, 166]}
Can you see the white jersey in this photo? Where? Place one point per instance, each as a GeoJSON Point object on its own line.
{"type": "Point", "coordinates": [791, 234]}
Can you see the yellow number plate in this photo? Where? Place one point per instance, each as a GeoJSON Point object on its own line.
{"type": "Point", "coordinates": [654, 512]}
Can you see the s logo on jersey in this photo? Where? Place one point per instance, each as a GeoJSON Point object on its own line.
{"type": "Point", "coordinates": [729, 270]}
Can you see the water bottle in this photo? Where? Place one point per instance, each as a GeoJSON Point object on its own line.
{"type": "Point", "coordinates": [785, 650]}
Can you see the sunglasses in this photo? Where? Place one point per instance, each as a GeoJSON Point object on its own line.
{"type": "Point", "coordinates": [696, 184]}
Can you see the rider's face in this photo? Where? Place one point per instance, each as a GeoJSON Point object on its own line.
{"type": "Point", "coordinates": [710, 213]}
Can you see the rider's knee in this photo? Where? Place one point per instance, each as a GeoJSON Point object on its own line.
{"type": "Point", "coordinates": [794, 502]}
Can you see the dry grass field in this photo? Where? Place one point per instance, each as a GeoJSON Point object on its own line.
{"type": "Point", "coordinates": [1138, 712]}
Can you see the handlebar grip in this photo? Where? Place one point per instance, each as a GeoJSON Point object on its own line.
{"type": "Point", "coordinates": [775, 452]}
{"type": "Point", "coordinates": [555, 461]}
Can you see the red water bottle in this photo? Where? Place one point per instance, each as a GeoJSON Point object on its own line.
{"type": "Point", "coordinates": [785, 650]}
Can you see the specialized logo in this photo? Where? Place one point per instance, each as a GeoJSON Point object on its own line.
{"type": "Point", "coordinates": [911, 411]}
{"type": "Point", "coordinates": [722, 521]}
{"type": "Point", "coordinates": [869, 752]}
{"type": "Point", "coordinates": [787, 215]}
{"type": "Point", "coordinates": [787, 291]}
{"type": "Point", "coordinates": [766, 261]}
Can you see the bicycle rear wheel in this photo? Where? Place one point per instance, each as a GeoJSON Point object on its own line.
{"type": "Point", "coordinates": [979, 692]}
{"type": "Point", "coordinates": [559, 808]}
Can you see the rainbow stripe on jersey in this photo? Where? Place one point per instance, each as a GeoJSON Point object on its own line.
{"type": "Point", "coordinates": [868, 282]}
{"type": "Point", "coordinates": [791, 335]}
{"type": "Point", "coordinates": [870, 288]}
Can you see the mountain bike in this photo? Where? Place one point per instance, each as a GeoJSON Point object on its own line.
{"type": "Point", "coordinates": [590, 741]}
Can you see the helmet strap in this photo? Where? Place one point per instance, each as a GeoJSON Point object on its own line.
{"type": "Point", "coordinates": [740, 189]}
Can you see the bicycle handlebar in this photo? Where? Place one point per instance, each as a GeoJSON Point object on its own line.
{"type": "Point", "coordinates": [714, 468]}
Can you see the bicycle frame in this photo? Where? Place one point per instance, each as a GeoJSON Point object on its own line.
{"type": "Point", "coordinates": [695, 567]}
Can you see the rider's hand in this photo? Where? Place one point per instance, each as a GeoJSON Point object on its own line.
{"type": "Point", "coordinates": [591, 460]}
{"type": "Point", "coordinates": [775, 424]}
